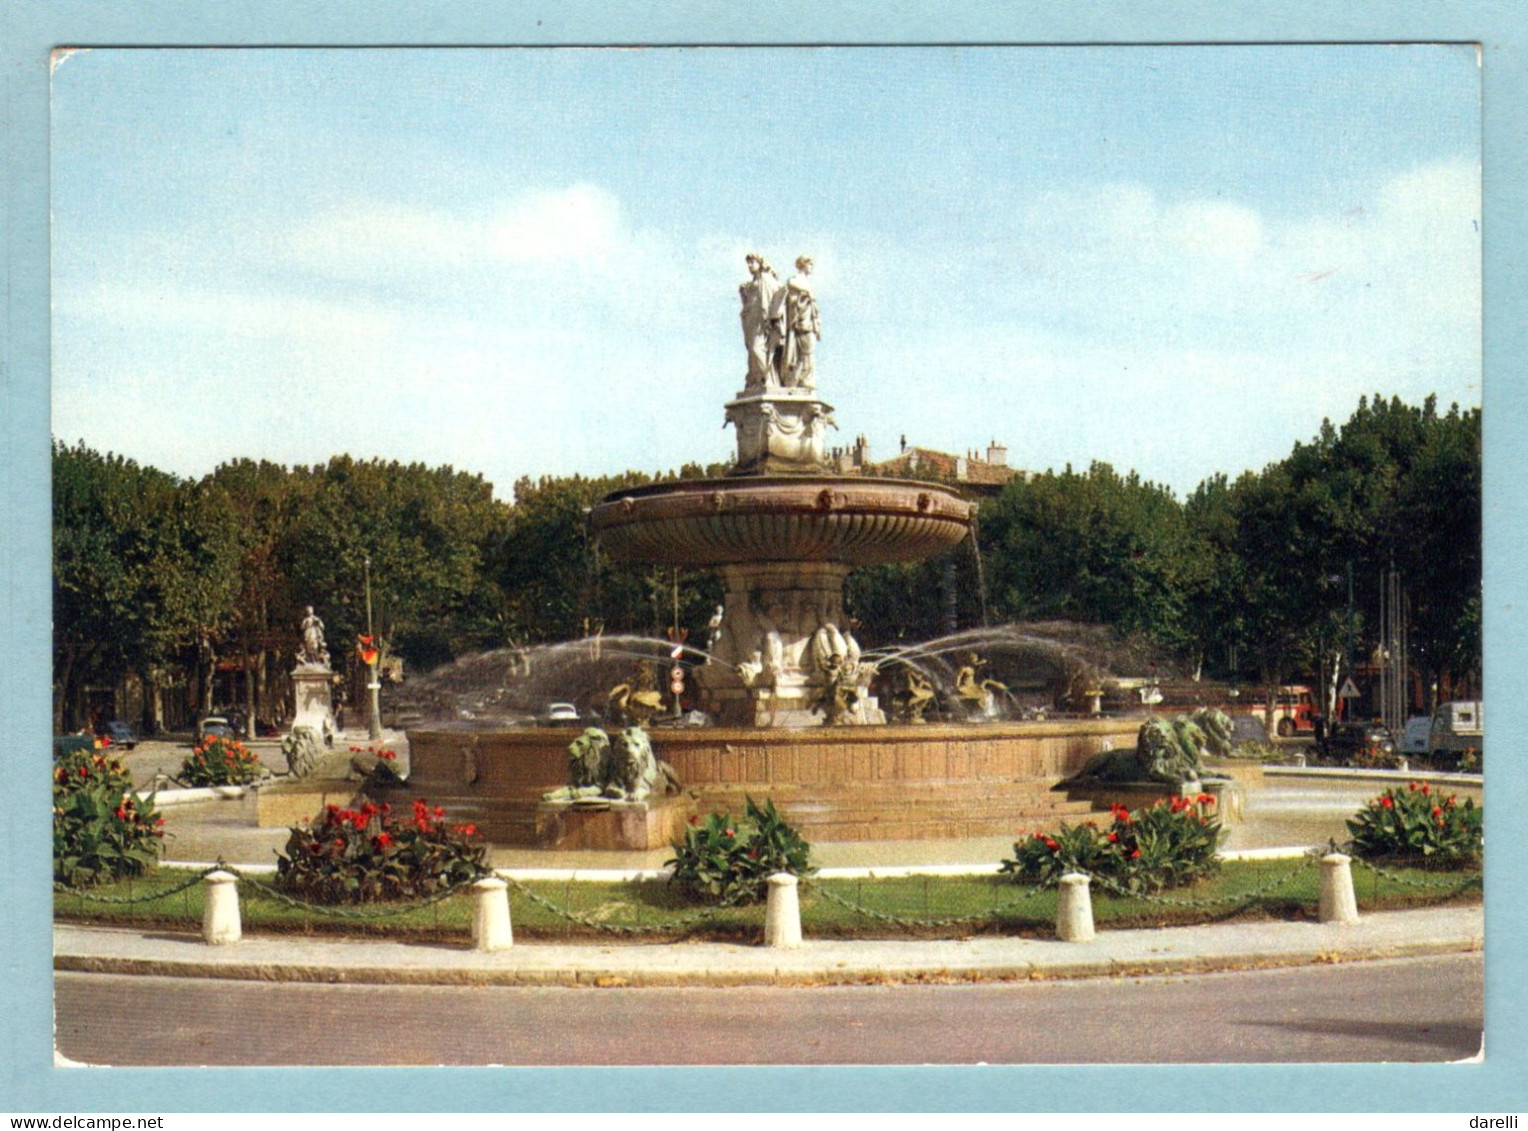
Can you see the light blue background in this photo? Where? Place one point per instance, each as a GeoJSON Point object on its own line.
{"type": "Point", "coordinates": [29, 29]}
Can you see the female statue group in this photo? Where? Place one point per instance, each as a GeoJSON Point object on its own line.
{"type": "Point", "coordinates": [780, 327]}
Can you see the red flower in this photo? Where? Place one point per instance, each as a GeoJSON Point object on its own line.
{"type": "Point", "coordinates": [1426, 789]}
{"type": "Point", "coordinates": [1050, 844]}
{"type": "Point", "coordinates": [121, 813]}
{"type": "Point", "coordinates": [383, 840]}
{"type": "Point", "coordinates": [1205, 799]}
{"type": "Point", "coordinates": [159, 822]}
{"type": "Point", "coordinates": [1386, 802]}
{"type": "Point", "coordinates": [729, 832]}
{"type": "Point", "coordinates": [1412, 786]}
{"type": "Point", "coordinates": [694, 822]}
{"type": "Point", "coordinates": [439, 812]}
{"type": "Point", "coordinates": [84, 771]}
{"type": "Point", "coordinates": [468, 830]}
{"type": "Point", "coordinates": [1136, 855]}
{"type": "Point", "coordinates": [1113, 838]}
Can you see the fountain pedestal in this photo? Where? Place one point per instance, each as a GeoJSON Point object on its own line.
{"type": "Point", "coordinates": [779, 430]}
{"type": "Point", "coordinates": [767, 666]}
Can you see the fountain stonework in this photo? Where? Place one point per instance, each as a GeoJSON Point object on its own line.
{"type": "Point", "coordinates": [783, 668]}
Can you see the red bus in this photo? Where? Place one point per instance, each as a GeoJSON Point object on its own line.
{"type": "Point", "coordinates": [1294, 711]}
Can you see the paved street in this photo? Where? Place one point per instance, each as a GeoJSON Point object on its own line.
{"type": "Point", "coordinates": [1427, 1009]}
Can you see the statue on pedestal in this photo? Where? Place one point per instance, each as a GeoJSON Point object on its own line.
{"type": "Point", "coordinates": [313, 650]}
{"type": "Point", "coordinates": [758, 295]}
{"type": "Point", "coordinates": [798, 328]}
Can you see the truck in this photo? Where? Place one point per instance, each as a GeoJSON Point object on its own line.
{"type": "Point", "coordinates": [1294, 711]}
{"type": "Point", "coordinates": [1458, 731]}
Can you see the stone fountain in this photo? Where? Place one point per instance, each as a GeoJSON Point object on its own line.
{"type": "Point", "coordinates": [783, 668]}
{"type": "Point", "coordinates": [783, 532]}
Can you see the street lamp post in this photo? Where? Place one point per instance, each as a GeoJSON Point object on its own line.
{"type": "Point", "coordinates": [373, 684]}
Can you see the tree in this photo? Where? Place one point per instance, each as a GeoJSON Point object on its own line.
{"type": "Point", "coordinates": [1096, 547]}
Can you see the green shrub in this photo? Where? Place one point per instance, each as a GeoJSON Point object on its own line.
{"type": "Point", "coordinates": [366, 855]}
{"type": "Point", "coordinates": [724, 860]}
{"type": "Point", "coordinates": [1418, 825]}
{"type": "Point", "coordinates": [1170, 844]}
{"type": "Point", "coordinates": [101, 830]}
{"type": "Point", "coordinates": [220, 761]}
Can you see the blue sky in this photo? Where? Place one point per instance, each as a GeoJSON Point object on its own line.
{"type": "Point", "coordinates": [1178, 260]}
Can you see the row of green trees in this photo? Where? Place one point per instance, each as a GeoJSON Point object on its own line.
{"type": "Point", "coordinates": [169, 579]}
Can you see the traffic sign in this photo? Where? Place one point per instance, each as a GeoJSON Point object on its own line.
{"type": "Point", "coordinates": [1348, 690]}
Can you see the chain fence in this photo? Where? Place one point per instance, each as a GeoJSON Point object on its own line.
{"type": "Point", "coordinates": [866, 907]}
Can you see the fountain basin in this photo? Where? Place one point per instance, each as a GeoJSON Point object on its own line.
{"type": "Point", "coordinates": [801, 518]}
{"type": "Point", "coordinates": [855, 783]}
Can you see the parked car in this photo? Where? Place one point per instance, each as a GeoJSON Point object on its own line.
{"type": "Point", "coordinates": [1416, 738]}
{"type": "Point", "coordinates": [119, 734]}
{"type": "Point", "coordinates": [215, 726]}
{"type": "Point", "coordinates": [1362, 744]}
{"type": "Point", "coordinates": [561, 715]}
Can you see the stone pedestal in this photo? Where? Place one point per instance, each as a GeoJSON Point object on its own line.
{"type": "Point", "coordinates": [780, 431]}
{"type": "Point", "coordinates": [612, 825]}
{"type": "Point", "coordinates": [315, 706]}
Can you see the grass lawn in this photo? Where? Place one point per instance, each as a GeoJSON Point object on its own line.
{"type": "Point", "coordinates": [915, 906]}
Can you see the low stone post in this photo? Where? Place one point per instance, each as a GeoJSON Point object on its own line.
{"type": "Point", "coordinates": [1338, 904]}
{"type": "Point", "coordinates": [782, 914]}
{"type": "Point", "coordinates": [1074, 908]}
{"type": "Point", "coordinates": [490, 915]}
{"type": "Point", "coordinates": [220, 909]}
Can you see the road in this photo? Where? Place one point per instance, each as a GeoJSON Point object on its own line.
{"type": "Point", "coordinates": [1404, 1010]}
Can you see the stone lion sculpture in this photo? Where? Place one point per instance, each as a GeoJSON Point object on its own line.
{"type": "Point", "coordinates": [635, 771]}
{"type": "Point", "coordinates": [625, 769]}
{"type": "Point", "coordinates": [1171, 751]}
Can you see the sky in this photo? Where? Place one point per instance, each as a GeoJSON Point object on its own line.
{"type": "Point", "coordinates": [1177, 260]}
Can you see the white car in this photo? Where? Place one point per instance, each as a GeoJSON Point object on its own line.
{"type": "Point", "coordinates": [561, 714]}
{"type": "Point", "coordinates": [1417, 737]}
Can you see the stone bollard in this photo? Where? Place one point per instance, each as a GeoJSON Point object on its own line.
{"type": "Point", "coordinates": [782, 914]}
{"type": "Point", "coordinates": [490, 915]}
{"type": "Point", "coordinates": [1338, 903]}
{"type": "Point", "coordinates": [1074, 908]}
{"type": "Point", "coordinates": [220, 909]}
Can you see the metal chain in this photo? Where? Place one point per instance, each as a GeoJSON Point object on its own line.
{"type": "Point", "coordinates": [1425, 885]}
{"type": "Point", "coordinates": [919, 921]}
{"type": "Point", "coordinates": [392, 910]}
{"type": "Point", "coordinates": [1272, 885]}
{"type": "Point", "coordinates": [130, 899]}
{"type": "Point", "coordinates": [665, 927]}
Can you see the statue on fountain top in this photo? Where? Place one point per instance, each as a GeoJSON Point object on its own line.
{"type": "Point", "coordinates": [780, 327]}
{"type": "Point", "coordinates": [758, 295]}
{"type": "Point", "coordinates": [799, 328]}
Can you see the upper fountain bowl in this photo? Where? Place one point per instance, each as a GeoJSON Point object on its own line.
{"type": "Point", "coordinates": [800, 518]}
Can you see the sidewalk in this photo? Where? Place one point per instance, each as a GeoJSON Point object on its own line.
{"type": "Point", "coordinates": [1202, 949]}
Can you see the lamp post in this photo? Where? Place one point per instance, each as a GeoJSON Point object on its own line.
{"type": "Point", "coordinates": [373, 685]}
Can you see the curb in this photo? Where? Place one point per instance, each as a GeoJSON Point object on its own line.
{"type": "Point", "coordinates": [620, 975]}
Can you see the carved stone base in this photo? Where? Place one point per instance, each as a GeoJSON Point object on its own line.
{"type": "Point", "coordinates": [780, 431]}
{"type": "Point", "coordinates": [764, 668]}
{"type": "Point", "coordinates": [614, 825]}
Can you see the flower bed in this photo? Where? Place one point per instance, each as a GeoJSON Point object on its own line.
{"type": "Point", "coordinates": [369, 854]}
{"type": "Point", "coordinates": [1417, 824]}
{"type": "Point", "coordinates": [220, 761]}
{"type": "Point", "coordinates": [101, 830]}
{"type": "Point", "coordinates": [1166, 845]}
